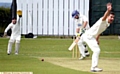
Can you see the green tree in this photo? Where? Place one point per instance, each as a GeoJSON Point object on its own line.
{"type": "Point", "coordinates": [4, 18]}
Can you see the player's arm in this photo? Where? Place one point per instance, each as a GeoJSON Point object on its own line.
{"type": "Point", "coordinates": [8, 27]}
{"type": "Point", "coordinates": [83, 27]}
{"type": "Point", "coordinates": [18, 19]}
{"type": "Point", "coordinates": [85, 21]}
{"type": "Point", "coordinates": [77, 31]}
{"type": "Point", "coordinates": [97, 39]}
{"type": "Point", "coordinates": [85, 24]}
{"type": "Point", "coordinates": [109, 8]}
{"type": "Point", "coordinates": [19, 15]}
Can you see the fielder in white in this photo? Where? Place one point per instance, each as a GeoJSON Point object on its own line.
{"type": "Point", "coordinates": [91, 37]}
{"type": "Point", "coordinates": [81, 22]}
{"type": "Point", "coordinates": [15, 35]}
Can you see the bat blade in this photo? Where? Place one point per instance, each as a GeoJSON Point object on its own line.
{"type": "Point", "coordinates": [73, 44]}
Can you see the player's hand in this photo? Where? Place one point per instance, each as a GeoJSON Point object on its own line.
{"type": "Point", "coordinates": [83, 30]}
{"type": "Point", "coordinates": [109, 6]}
{"type": "Point", "coordinates": [77, 34]}
{"type": "Point", "coordinates": [5, 34]}
{"type": "Point", "coordinates": [97, 41]}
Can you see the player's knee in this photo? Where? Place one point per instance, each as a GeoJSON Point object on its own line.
{"type": "Point", "coordinates": [17, 41]}
{"type": "Point", "coordinates": [97, 50]}
{"type": "Point", "coordinates": [11, 40]}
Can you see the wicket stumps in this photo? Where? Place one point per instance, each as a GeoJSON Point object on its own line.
{"type": "Point", "coordinates": [75, 51]}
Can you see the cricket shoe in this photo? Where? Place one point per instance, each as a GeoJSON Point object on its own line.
{"type": "Point", "coordinates": [87, 53]}
{"type": "Point", "coordinates": [8, 53]}
{"type": "Point", "coordinates": [96, 69]}
{"type": "Point", "coordinates": [16, 53]}
{"type": "Point", "coordinates": [81, 58]}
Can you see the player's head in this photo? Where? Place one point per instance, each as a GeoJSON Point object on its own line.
{"type": "Point", "coordinates": [111, 17]}
{"type": "Point", "coordinates": [75, 14]}
{"type": "Point", "coordinates": [14, 21]}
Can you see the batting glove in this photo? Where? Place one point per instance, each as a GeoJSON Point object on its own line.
{"type": "Point", "coordinates": [82, 31]}
{"type": "Point", "coordinates": [77, 34]}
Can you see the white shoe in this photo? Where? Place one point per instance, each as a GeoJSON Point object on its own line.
{"type": "Point", "coordinates": [81, 58]}
{"type": "Point", "coordinates": [96, 69]}
{"type": "Point", "coordinates": [16, 53]}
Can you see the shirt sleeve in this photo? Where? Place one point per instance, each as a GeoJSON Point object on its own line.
{"type": "Point", "coordinates": [18, 19]}
{"type": "Point", "coordinates": [84, 18]}
{"type": "Point", "coordinates": [8, 27]}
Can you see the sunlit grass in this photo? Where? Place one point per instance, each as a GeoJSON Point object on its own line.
{"type": "Point", "coordinates": [30, 49]}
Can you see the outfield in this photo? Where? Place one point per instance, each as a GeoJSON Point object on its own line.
{"type": "Point", "coordinates": [57, 58]}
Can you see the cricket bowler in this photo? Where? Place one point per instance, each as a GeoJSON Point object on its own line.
{"type": "Point", "coordinates": [91, 37]}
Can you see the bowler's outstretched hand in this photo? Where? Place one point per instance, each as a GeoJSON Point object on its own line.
{"type": "Point", "coordinates": [109, 6]}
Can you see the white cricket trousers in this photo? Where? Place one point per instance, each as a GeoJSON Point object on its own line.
{"type": "Point", "coordinates": [92, 43]}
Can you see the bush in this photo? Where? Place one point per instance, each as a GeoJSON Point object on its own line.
{"type": "Point", "coordinates": [4, 18]}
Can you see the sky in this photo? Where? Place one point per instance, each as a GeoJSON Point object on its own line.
{"type": "Point", "coordinates": [6, 1]}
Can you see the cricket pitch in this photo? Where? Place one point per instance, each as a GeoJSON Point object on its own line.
{"type": "Point", "coordinates": [109, 66]}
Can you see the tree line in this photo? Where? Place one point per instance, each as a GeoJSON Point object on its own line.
{"type": "Point", "coordinates": [5, 18]}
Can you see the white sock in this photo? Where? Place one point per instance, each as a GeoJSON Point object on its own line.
{"type": "Point", "coordinates": [9, 47]}
{"type": "Point", "coordinates": [17, 45]}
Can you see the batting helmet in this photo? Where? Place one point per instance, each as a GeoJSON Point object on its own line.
{"type": "Point", "coordinates": [74, 13]}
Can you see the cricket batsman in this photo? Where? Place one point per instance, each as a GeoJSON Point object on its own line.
{"type": "Point", "coordinates": [91, 37]}
{"type": "Point", "coordinates": [82, 24]}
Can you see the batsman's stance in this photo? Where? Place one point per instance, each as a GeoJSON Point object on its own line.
{"type": "Point", "coordinates": [15, 36]}
{"type": "Point", "coordinates": [91, 37]}
{"type": "Point", "coordinates": [82, 24]}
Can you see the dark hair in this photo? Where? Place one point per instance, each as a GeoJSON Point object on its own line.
{"type": "Point", "coordinates": [112, 13]}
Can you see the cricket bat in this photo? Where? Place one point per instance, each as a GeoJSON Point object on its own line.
{"type": "Point", "coordinates": [73, 44]}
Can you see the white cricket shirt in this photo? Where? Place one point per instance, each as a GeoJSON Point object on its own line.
{"type": "Point", "coordinates": [98, 27]}
{"type": "Point", "coordinates": [79, 22]}
{"type": "Point", "coordinates": [15, 29]}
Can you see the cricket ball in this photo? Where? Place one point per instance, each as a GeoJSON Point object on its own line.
{"type": "Point", "coordinates": [42, 59]}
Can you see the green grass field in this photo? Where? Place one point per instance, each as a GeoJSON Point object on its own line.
{"type": "Point", "coordinates": [57, 58]}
